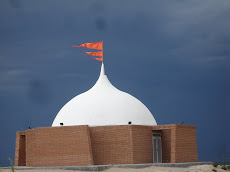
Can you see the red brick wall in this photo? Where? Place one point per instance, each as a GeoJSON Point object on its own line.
{"type": "Point", "coordinates": [130, 144]}
{"type": "Point", "coordinates": [142, 144]}
{"type": "Point", "coordinates": [20, 149]}
{"type": "Point", "coordinates": [166, 145]}
{"type": "Point", "coordinates": [30, 147]}
{"type": "Point", "coordinates": [58, 146]}
{"type": "Point", "coordinates": [185, 144]}
{"type": "Point", "coordinates": [111, 144]}
{"type": "Point", "coordinates": [83, 145]}
{"type": "Point", "coordinates": [173, 143]}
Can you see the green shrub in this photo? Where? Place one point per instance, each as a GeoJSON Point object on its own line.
{"type": "Point", "coordinates": [224, 164]}
{"type": "Point", "coordinates": [224, 167]}
{"type": "Point", "coordinates": [11, 164]}
{"type": "Point", "coordinates": [214, 170]}
{"type": "Point", "coordinates": [214, 164]}
{"type": "Point", "coordinates": [228, 167]}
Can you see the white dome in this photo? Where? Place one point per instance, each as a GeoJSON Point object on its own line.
{"type": "Point", "coordinates": [104, 105]}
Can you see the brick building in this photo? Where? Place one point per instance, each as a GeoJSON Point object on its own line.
{"type": "Point", "coordinates": [105, 126]}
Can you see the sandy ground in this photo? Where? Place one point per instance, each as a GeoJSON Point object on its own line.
{"type": "Point", "coordinates": [198, 168]}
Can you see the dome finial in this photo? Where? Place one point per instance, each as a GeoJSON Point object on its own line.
{"type": "Point", "coordinates": [102, 69]}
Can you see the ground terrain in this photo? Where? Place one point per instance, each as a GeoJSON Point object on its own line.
{"type": "Point", "coordinates": [197, 168]}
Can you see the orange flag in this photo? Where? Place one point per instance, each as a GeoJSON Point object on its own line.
{"type": "Point", "coordinates": [99, 53]}
{"type": "Point", "coordinates": [99, 59]}
{"type": "Point", "coordinates": [95, 45]}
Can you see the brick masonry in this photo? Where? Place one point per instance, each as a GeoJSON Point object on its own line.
{"type": "Point", "coordinates": [142, 144]}
{"type": "Point", "coordinates": [185, 144]}
{"type": "Point", "coordinates": [20, 149]}
{"type": "Point", "coordinates": [111, 144]}
{"type": "Point", "coordinates": [83, 145]}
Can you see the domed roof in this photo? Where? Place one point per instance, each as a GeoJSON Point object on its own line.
{"type": "Point", "coordinates": [104, 105]}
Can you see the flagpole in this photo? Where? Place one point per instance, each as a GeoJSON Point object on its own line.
{"type": "Point", "coordinates": [103, 52]}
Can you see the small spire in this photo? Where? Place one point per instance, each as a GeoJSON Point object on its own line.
{"type": "Point", "coordinates": [102, 69]}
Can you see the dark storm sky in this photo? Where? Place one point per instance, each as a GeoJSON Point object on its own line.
{"type": "Point", "coordinates": [172, 55]}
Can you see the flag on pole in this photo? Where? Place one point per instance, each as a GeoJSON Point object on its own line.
{"type": "Point", "coordinates": [94, 45]}
{"type": "Point", "coordinates": [99, 59]}
{"type": "Point", "coordinates": [99, 53]}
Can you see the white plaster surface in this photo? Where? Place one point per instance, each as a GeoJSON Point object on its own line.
{"type": "Point", "coordinates": [104, 105]}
